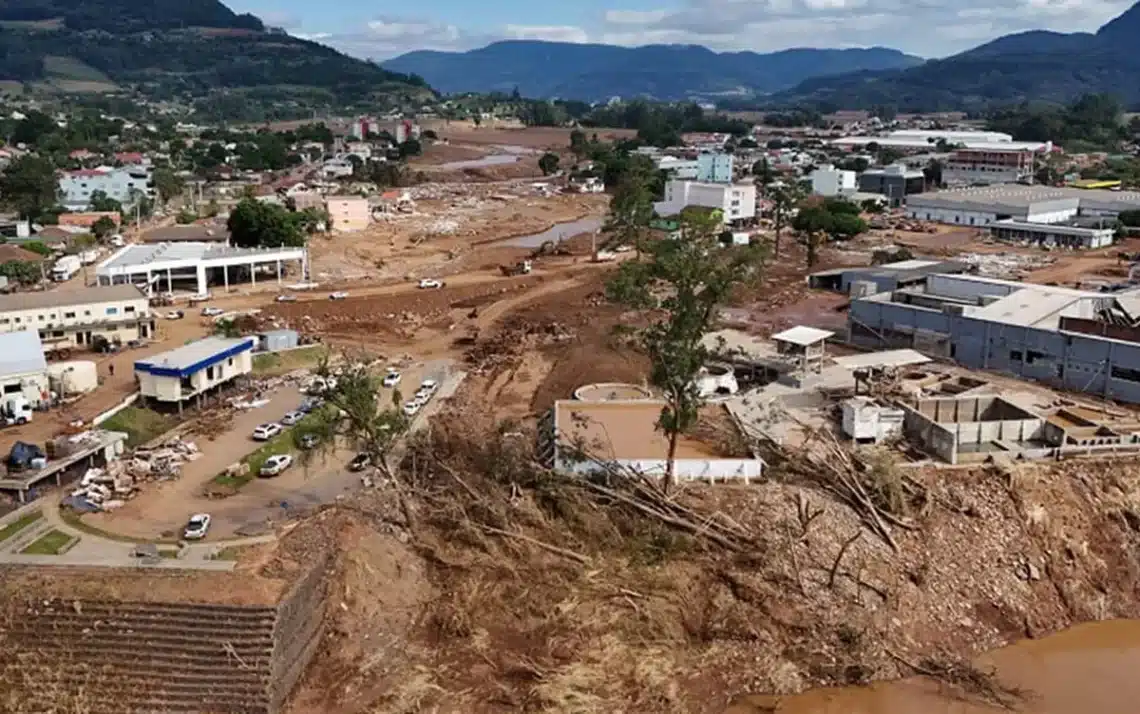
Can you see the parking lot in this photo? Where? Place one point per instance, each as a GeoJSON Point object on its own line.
{"type": "Point", "coordinates": [163, 508]}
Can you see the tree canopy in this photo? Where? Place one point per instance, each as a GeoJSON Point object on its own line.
{"type": "Point", "coordinates": [28, 186]}
{"type": "Point", "coordinates": [255, 224]}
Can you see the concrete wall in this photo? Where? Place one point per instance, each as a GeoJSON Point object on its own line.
{"type": "Point", "coordinates": [933, 437]}
{"type": "Point", "coordinates": [691, 469]}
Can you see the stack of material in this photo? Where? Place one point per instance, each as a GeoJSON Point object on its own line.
{"type": "Point", "coordinates": [163, 463]}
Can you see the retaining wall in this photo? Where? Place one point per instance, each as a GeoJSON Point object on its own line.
{"type": "Point", "coordinates": [123, 657]}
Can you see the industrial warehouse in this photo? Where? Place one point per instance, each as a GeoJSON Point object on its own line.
{"type": "Point", "coordinates": [195, 266]}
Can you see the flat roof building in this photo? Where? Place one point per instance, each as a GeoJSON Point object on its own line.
{"type": "Point", "coordinates": [980, 206]}
{"type": "Point", "coordinates": [1053, 235]}
{"type": "Point", "coordinates": [23, 369]}
{"type": "Point", "coordinates": [896, 182]}
{"type": "Point", "coordinates": [194, 370]}
{"type": "Point", "coordinates": [873, 279]}
{"type": "Point", "coordinates": [195, 265]}
{"type": "Point", "coordinates": [66, 319]}
{"type": "Point", "coordinates": [1079, 340]}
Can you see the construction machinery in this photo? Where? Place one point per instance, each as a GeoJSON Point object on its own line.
{"type": "Point", "coordinates": [523, 267]}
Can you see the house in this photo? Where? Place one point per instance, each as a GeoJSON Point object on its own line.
{"type": "Point", "coordinates": [348, 213]}
{"type": "Point", "coordinates": [64, 319]}
{"type": "Point", "coordinates": [737, 202]}
{"type": "Point", "coordinates": [23, 368]}
{"type": "Point", "coordinates": [194, 371]}
{"type": "Point", "coordinates": [216, 233]}
{"type": "Point", "coordinates": [337, 168]}
{"type": "Point", "coordinates": [122, 185]}
{"type": "Point", "coordinates": [131, 158]}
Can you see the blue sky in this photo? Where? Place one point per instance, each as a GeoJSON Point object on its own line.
{"type": "Point", "coordinates": [929, 28]}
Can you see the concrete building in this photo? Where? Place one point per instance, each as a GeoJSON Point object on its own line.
{"type": "Point", "coordinates": [1097, 233]}
{"type": "Point", "coordinates": [990, 166]}
{"type": "Point", "coordinates": [195, 266]}
{"type": "Point", "coordinates": [804, 348]}
{"type": "Point", "coordinates": [194, 233]}
{"type": "Point", "coordinates": [584, 436]}
{"type": "Point", "coordinates": [830, 181]}
{"type": "Point", "coordinates": [23, 369]}
{"type": "Point", "coordinates": [737, 202]}
{"type": "Point", "coordinates": [714, 168]}
{"type": "Point", "coordinates": [896, 182]}
{"type": "Point", "coordinates": [874, 279]}
{"type": "Point", "coordinates": [1073, 339]}
{"type": "Point", "coordinates": [194, 370]}
{"type": "Point", "coordinates": [74, 318]}
{"type": "Point", "coordinates": [926, 140]}
{"type": "Point", "coordinates": [348, 213]}
{"type": "Point", "coordinates": [974, 428]}
{"type": "Point", "coordinates": [678, 168]}
{"type": "Point", "coordinates": [122, 184]}
{"type": "Point", "coordinates": [867, 421]}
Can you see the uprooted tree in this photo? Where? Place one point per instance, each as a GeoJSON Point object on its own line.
{"type": "Point", "coordinates": [681, 287]}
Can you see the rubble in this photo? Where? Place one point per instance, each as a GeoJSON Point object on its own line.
{"type": "Point", "coordinates": [1006, 265]}
{"type": "Point", "coordinates": [110, 487]}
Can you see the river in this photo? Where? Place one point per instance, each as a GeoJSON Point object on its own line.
{"type": "Point", "coordinates": [1088, 669]}
{"type": "Point", "coordinates": [505, 155]}
{"type": "Point", "coordinates": [557, 232]}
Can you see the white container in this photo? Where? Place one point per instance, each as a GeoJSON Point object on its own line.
{"type": "Point", "coordinates": [76, 377]}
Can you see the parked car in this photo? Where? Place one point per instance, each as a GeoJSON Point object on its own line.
{"type": "Point", "coordinates": [212, 311]}
{"type": "Point", "coordinates": [310, 404]}
{"type": "Point", "coordinates": [392, 379]}
{"type": "Point", "coordinates": [288, 298]}
{"type": "Point", "coordinates": [309, 441]}
{"type": "Point", "coordinates": [319, 385]}
{"type": "Point", "coordinates": [274, 465]}
{"type": "Point", "coordinates": [265, 432]}
{"type": "Point", "coordinates": [292, 418]}
{"type": "Point", "coordinates": [430, 283]}
{"type": "Point", "coordinates": [197, 527]}
{"type": "Point", "coordinates": [175, 315]}
{"type": "Point", "coordinates": [339, 295]}
{"type": "Point", "coordinates": [199, 297]}
{"type": "Point", "coordinates": [430, 385]}
{"type": "Point", "coordinates": [412, 408]}
{"type": "Point", "coordinates": [359, 462]}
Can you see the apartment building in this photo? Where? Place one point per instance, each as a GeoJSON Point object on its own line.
{"type": "Point", "coordinates": [737, 202]}
{"type": "Point", "coordinates": [990, 165]}
{"type": "Point", "coordinates": [348, 213]}
{"type": "Point", "coordinates": [714, 168]}
{"type": "Point", "coordinates": [74, 318]}
{"type": "Point", "coordinates": [831, 182]}
{"type": "Point", "coordinates": [122, 184]}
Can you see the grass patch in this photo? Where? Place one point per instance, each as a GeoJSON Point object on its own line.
{"type": "Point", "coordinates": [140, 425]}
{"type": "Point", "coordinates": [69, 68]}
{"type": "Point", "coordinates": [280, 444]}
{"type": "Point", "coordinates": [51, 543]}
{"type": "Point", "coordinates": [19, 524]}
{"type": "Point", "coordinates": [75, 520]}
{"type": "Point", "coordinates": [275, 363]}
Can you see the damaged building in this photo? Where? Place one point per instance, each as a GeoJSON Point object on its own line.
{"type": "Point", "coordinates": [1071, 339]}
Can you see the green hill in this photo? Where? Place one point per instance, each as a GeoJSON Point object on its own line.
{"type": "Point", "coordinates": [176, 48]}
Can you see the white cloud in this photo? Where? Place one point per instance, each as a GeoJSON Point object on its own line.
{"type": "Point", "coordinates": [930, 28]}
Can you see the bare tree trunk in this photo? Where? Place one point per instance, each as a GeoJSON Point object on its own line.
{"type": "Point", "coordinates": [779, 219]}
{"type": "Point", "coordinates": [671, 460]}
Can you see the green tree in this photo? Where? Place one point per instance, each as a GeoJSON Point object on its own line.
{"type": "Point", "coordinates": [682, 287]}
{"type": "Point", "coordinates": [103, 203]}
{"type": "Point", "coordinates": [631, 209]}
{"type": "Point", "coordinates": [167, 184]}
{"type": "Point", "coordinates": [38, 246]}
{"type": "Point", "coordinates": [28, 186]}
{"type": "Point", "coordinates": [254, 224]}
{"type": "Point", "coordinates": [813, 222]}
{"type": "Point", "coordinates": [24, 272]}
{"type": "Point", "coordinates": [579, 146]}
{"type": "Point", "coordinates": [411, 147]}
{"type": "Point", "coordinates": [784, 198]}
{"type": "Point", "coordinates": [103, 227]}
{"type": "Point", "coordinates": [185, 217]}
{"type": "Point", "coordinates": [548, 163]}
{"type": "Point", "coordinates": [845, 226]}
{"type": "Point", "coordinates": [763, 175]}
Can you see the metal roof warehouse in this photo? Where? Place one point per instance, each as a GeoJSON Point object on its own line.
{"type": "Point", "coordinates": [202, 264]}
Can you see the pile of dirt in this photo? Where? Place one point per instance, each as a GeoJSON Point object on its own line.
{"type": "Point", "coordinates": [517, 590]}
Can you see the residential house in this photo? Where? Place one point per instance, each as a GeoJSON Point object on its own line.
{"type": "Point", "coordinates": [348, 213]}
{"type": "Point", "coordinates": [122, 184]}
{"type": "Point", "coordinates": [194, 370]}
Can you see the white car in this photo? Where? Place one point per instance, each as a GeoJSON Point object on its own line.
{"type": "Point", "coordinates": [174, 315]}
{"type": "Point", "coordinates": [212, 311]}
{"type": "Point", "coordinates": [339, 295]}
{"type": "Point", "coordinates": [197, 527]}
{"type": "Point", "coordinates": [320, 385]}
{"type": "Point", "coordinates": [199, 297]}
{"type": "Point", "coordinates": [274, 465]}
{"type": "Point", "coordinates": [265, 432]}
{"type": "Point", "coordinates": [428, 386]}
{"type": "Point", "coordinates": [430, 283]}
{"type": "Point", "coordinates": [412, 408]}
{"type": "Point", "coordinates": [292, 418]}
{"type": "Point", "coordinates": [288, 298]}
{"type": "Point", "coordinates": [392, 379]}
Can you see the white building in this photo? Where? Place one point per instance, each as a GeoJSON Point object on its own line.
{"type": "Point", "coordinates": [981, 206]}
{"type": "Point", "coordinates": [737, 202]}
{"type": "Point", "coordinates": [64, 319]}
{"type": "Point", "coordinates": [679, 168]}
{"type": "Point", "coordinates": [925, 140]}
{"type": "Point", "coordinates": [195, 266]}
{"type": "Point", "coordinates": [830, 181]}
{"type": "Point", "coordinates": [337, 168]}
{"type": "Point", "coordinates": [23, 369]}
{"type": "Point", "coordinates": [193, 370]}
{"type": "Point", "coordinates": [714, 168]}
{"type": "Point", "coordinates": [123, 184]}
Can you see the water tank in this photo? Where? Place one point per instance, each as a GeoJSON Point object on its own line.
{"type": "Point", "coordinates": [78, 377]}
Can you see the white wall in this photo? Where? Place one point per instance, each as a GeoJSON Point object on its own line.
{"type": "Point", "coordinates": [688, 469]}
{"type": "Point", "coordinates": [952, 216]}
{"type": "Point", "coordinates": [1052, 216]}
{"type": "Point", "coordinates": [832, 182]}
{"type": "Point", "coordinates": [31, 385]}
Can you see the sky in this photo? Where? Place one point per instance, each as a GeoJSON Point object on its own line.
{"type": "Point", "coordinates": [928, 28]}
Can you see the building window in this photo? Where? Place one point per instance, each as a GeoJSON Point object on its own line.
{"type": "Point", "coordinates": [11, 388]}
{"type": "Point", "coordinates": [129, 309]}
{"type": "Point", "coordinates": [17, 321]}
{"type": "Point", "coordinates": [87, 313]}
{"type": "Point", "coordinates": [209, 373]}
{"type": "Point", "coordinates": [57, 333]}
{"type": "Point", "coordinates": [1131, 375]}
{"type": "Point", "coordinates": [112, 311]}
{"type": "Point", "coordinates": [4, 321]}
{"type": "Point", "coordinates": [68, 315]}
{"type": "Point", "coordinates": [230, 362]}
{"type": "Point", "coordinates": [40, 317]}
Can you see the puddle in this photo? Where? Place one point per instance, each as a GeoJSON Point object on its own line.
{"type": "Point", "coordinates": [557, 232]}
{"type": "Point", "coordinates": [1088, 669]}
{"type": "Point", "coordinates": [492, 160]}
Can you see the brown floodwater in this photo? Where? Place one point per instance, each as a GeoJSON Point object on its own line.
{"type": "Point", "coordinates": [1089, 669]}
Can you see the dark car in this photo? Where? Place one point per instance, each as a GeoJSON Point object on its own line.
{"type": "Point", "coordinates": [359, 462]}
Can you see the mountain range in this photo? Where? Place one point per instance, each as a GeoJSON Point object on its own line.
{"type": "Point", "coordinates": [175, 48]}
{"type": "Point", "coordinates": [594, 72]}
{"type": "Point", "coordinates": [1034, 65]}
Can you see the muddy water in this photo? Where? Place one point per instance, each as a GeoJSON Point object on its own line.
{"type": "Point", "coordinates": [557, 232]}
{"type": "Point", "coordinates": [1089, 669]}
{"type": "Point", "coordinates": [504, 155]}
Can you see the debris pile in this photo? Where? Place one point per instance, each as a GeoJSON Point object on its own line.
{"type": "Point", "coordinates": [105, 489]}
{"type": "Point", "coordinates": [1013, 266]}
{"type": "Point", "coordinates": [515, 337]}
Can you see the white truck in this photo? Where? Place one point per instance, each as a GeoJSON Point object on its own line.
{"type": "Point", "coordinates": [16, 409]}
{"type": "Point", "coordinates": [88, 257]}
{"type": "Point", "coordinates": [65, 268]}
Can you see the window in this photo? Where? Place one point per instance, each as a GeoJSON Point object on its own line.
{"type": "Point", "coordinates": [230, 362]}
{"type": "Point", "coordinates": [68, 315]}
{"type": "Point", "coordinates": [1131, 375]}
{"type": "Point", "coordinates": [87, 313]}
{"type": "Point", "coordinates": [17, 321]}
{"type": "Point", "coordinates": [4, 321]}
{"type": "Point", "coordinates": [11, 388]}
{"type": "Point", "coordinates": [129, 309]}
{"type": "Point", "coordinates": [1015, 356]}
{"type": "Point", "coordinates": [209, 373]}
{"type": "Point", "coordinates": [40, 317]}
{"type": "Point", "coordinates": [57, 333]}
{"type": "Point", "coordinates": [112, 311]}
